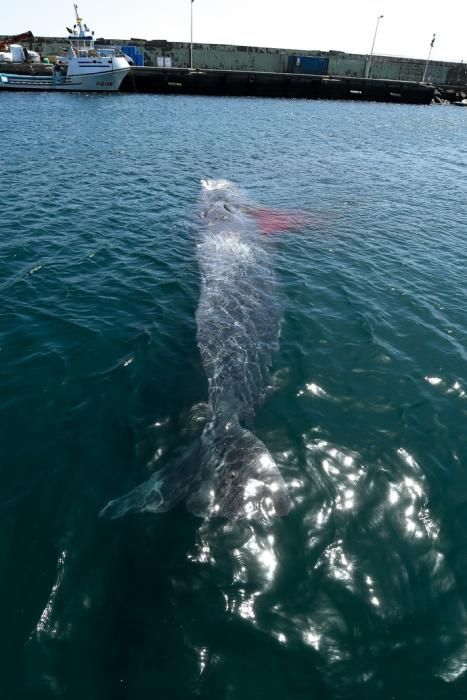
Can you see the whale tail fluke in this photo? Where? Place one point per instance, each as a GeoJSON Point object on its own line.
{"type": "Point", "coordinates": [147, 496]}
{"type": "Point", "coordinates": [230, 474]}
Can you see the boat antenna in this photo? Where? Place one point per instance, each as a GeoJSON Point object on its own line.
{"type": "Point", "coordinates": [78, 18]}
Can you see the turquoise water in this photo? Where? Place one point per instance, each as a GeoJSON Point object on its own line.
{"type": "Point", "coordinates": [360, 591]}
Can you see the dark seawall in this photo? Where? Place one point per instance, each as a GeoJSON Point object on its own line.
{"type": "Point", "coordinates": [259, 84]}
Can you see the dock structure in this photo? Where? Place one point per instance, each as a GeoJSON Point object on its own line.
{"type": "Point", "coordinates": [264, 84]}
{"type": "Point", "coordinates": [219, 69]}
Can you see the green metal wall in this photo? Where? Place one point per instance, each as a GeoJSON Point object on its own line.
{"type": "Point", "coordinates": [276, 61]}
{"type": "Point", "coordinates": [347, 64]}
{"type": "Point", "coordinates": [223, 57]}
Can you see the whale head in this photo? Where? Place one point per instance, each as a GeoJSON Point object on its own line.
{"type": "Point", "coordinates": [221, 201]}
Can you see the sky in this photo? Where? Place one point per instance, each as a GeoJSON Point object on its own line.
{"type": "Point", "coordinates": [343, 25]}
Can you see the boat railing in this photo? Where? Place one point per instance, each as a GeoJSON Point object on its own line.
{"type": "Point", "coordinates": [109, 51]}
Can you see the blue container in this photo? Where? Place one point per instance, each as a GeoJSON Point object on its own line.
{"type": "Point", "coordinates": [313, 65]}
{"type": "Point", "coordinates": [136, 53]}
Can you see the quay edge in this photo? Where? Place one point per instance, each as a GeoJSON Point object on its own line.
{"type": "Point", "coordinates": [263, 84]}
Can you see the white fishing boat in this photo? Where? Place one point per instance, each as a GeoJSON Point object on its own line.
{"type": "Point", "coordinates": [84, 67]}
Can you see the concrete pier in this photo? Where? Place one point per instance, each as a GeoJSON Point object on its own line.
{"type": "Point", "coordinates": [262, 84]}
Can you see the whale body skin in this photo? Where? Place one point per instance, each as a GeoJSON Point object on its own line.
{"type": "Point", "coordinates": [229, 472]}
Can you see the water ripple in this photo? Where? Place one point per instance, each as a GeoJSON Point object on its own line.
{"type": "Point", "coordinates": [360, 590]}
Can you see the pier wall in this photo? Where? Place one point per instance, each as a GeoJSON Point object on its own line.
{"type": "Point", "coordinates": [263, 84]}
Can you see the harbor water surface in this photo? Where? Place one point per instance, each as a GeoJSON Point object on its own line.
{"type": "Point", "coordinates": [361, 590]}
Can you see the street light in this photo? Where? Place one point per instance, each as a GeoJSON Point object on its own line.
{"type": "Point", "coordinates": [191, 35]}
{"type": "Point", "coordinates": [368, 66]}
{"type": "Point", "coordinates": [428, 59]}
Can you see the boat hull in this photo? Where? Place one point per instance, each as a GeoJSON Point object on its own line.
{"type": "Point", "coordinates": [108, 81]}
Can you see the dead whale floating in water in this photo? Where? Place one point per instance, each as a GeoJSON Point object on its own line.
{"type": "Point", "coordinates": [230, 472]}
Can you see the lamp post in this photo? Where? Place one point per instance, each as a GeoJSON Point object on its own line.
{"type": "Point", "coordinates": [368, 65]}
{"type": "Point", "coordinates": [191, 34]}
{"type": "Point", "coordinates": [428, 59]}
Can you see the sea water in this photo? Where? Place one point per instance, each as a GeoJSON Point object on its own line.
{"type": "Point", "coordinates": [360, 591]}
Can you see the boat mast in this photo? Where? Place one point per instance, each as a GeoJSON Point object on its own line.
{"type": "Point", "coordinates": [78, 18]}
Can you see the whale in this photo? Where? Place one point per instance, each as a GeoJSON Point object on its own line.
{"type": "Point", "coordinates": [228, 472]}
